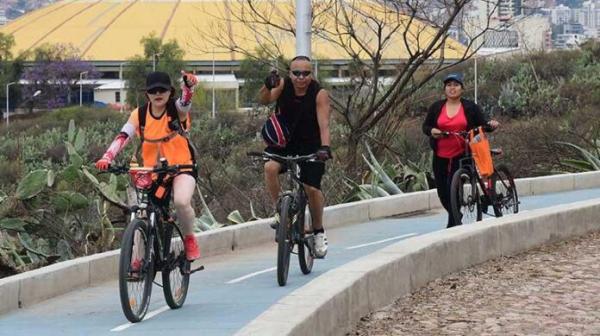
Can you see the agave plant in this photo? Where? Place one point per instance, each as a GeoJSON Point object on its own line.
{"type": "Point", "coordinates": [590, 159]}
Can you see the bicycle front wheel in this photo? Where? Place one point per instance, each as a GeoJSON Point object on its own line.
{"type": "Point", "coordinates": [507, 199]}
{"type": "Point", "coordinates": [176, 271]}
{"type": "Point", "coordinates": [305, 244]}
{"type": "Point", "coordinates": [136, 271]}
{"type": "Point", "coordinates": [464, 198]}
{"type": "Point", "coordinates": [284, 243]}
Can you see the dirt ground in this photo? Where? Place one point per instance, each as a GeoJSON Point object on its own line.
{"type": "Point", "coordinates": [551, 290]}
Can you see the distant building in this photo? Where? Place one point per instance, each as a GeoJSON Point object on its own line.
{"type": "Point", "coordinates": [560, 14]}
{"type": "Point", "coordinates": [568, 41]}
{"type": "Point", "coordinates": [3, 19]}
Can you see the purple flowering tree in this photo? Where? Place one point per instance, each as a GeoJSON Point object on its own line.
{"type": "Point", "coordinates": [56, 74]}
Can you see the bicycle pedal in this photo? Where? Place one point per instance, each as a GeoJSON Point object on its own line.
{"type": "Point", "coordinates": [201, 268]}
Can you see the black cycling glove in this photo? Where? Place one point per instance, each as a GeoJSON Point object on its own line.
{"type": "Point", "coordinates": [324, 153]}
{"type": "Point", "coordinates": [272, 80]}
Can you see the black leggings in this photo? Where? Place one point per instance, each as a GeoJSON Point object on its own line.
{"type": "Point", "coordinates": [443, 170]}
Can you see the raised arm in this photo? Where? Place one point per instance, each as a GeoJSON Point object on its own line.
{"type": "Point", "coordinates": [184, 103]}
{"type": "Point", "coordinates": [272, 88]}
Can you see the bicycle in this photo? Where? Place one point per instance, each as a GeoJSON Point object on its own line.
{"type": "Point", "coordinates": [471, 194]}
{"type": "Point", "coordinates": [294, 227]}
{"type": "Point", "coordinates": [149, 246]}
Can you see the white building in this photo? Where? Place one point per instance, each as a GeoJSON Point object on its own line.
{"type": "Point", "coordinates": [560, 14]}
{"type": "Point", "coordinates": [3, 19]}
{"type": "Point", "coordinates": [112, 92]}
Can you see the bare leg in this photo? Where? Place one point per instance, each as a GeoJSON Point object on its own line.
{"type": "Point", "coordinates": [272, 169]}
{"type": "Point", "coordinates": [316, 201]}
{"type": "Point", "coordinates": [183, 190]}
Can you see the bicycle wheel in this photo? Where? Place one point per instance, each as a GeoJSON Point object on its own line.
{"type": "Point", "coordinates": [284, 243]}
{"type": "Point", "coordinates": [305, 256]}
{"type": "Point", "coordinates": [136, 271]}
{"type": "Point", "coordinates": [507, 199]}
{"type": "Point", "coordinates": [176, 271]}
{"type": "Point", "coordinates": [464, 198]}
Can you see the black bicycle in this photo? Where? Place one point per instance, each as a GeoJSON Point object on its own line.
{"type": "Point", "coordinates": [295, 227]}
{"type": "Point", "coordinates": [152, 242]}
{"type": "Point", "coordinates": [471, 195]}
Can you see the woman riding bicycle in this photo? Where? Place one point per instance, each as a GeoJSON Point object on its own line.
{"type": "Point", "coordinates": [452, 114]}
{"type": "Point", "coordinates": [162, 125]}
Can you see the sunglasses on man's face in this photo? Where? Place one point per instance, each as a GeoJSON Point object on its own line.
{"type": "Point", "coordinates": [157, 90]}
{"type": "Point", "coordinates": [299, 73]}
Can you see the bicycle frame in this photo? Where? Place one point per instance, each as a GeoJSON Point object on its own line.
{"type": "Point", "coordinates": [467, 162]}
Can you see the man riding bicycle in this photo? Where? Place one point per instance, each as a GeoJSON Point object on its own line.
{"type": "Point", "coordinates": [300, 126]}
{"type": "Point", "coordinates": [162, 125]}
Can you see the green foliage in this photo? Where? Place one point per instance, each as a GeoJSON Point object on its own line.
{"type": "Point", "coordinates": [590, 158]}
{"type": "Point", "coordinates": [55, 214]}
{"type": "Point", "coordinates": [168, 57]}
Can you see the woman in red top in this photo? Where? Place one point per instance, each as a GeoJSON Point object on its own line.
{"type": "Point", "coordinates": [453, 114]}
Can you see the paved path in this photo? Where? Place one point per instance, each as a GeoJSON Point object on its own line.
{"type": "Point", "coordinates": [217, 304]}
{"type": "Point", "coordinates": [552, 290]}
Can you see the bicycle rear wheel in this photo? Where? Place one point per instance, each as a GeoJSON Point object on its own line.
{"type": "Point", "coordinates": [176, 271]}
{"type": "Point", "coordinates": [464, 198]}
{"type": "Point", "coordinates": [507, 199]}
{"type": "Point", "coordinates": [284, 243]}
{"type": "Point", "coordinates": [305, 246]}
{"type": "Point", "coordinates": [136, 271]}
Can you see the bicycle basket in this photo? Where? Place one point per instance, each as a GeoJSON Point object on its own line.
{"type": "Point", "coordinates": [480, 148]}
{"type": "Point", "coordinates": [141, 179]}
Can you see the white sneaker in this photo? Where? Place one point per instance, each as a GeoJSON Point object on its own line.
{"type": "Point", "coordinates": [320, 245]}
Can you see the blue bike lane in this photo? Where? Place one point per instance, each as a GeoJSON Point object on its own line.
{"type": "Point", "coordinates": [235, 288]}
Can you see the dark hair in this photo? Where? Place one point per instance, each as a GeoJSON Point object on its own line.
{"type": "Point", "coordinates": [301, 57]}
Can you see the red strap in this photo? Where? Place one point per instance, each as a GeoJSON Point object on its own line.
{"type": "Point", "coordinates": [280, 137]}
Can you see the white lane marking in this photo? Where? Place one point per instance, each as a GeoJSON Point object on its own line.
{"type": "Point", "coordinates": [148, 316]}
{"type": "Point", "coordinates": [250, 275]}
{"type": "Point", "coordinates": [381, 241]}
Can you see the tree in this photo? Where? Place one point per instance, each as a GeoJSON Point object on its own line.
{"type": "Point", "coordinates": [169, 58]}
{"type": "Point", "coordinates": [10, 69]}
{"type": "Point", "coordinates": [55, 73]}
{"type": "Point", "coordinates": [415, 34]}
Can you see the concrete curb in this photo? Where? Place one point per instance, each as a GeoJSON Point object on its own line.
{"type": "Point", "coordinates": [31, 287]}
{"type": "Point", "coordinates": [335, 301]}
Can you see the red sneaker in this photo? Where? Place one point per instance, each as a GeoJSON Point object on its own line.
{"type": "Point", "coordinates": [192, 251]}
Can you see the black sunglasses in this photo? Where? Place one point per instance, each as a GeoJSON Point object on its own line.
{"type": "Point", "coordinates": [299, 73]}
{"type": "Point", "coordinates": [157, 90]}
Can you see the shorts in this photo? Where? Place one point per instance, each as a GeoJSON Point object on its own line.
{"type": "Point", "coordinates": [311, 173]}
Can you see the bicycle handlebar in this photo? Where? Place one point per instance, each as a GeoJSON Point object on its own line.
{"type": "Point", "coordinates": [164, 169]}
{"type": "Point", "coordinates": [279, 158]}
{"type": "Point", "coordinates": [464, 134]}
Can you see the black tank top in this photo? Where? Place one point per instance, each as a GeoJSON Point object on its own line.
{"type": "Point", "coordinates": [301, 114]}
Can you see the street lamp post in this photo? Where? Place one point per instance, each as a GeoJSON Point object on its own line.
{"type": "Point", "coordinates": [81, 87]}
{"type": "Point", "coordinates": [7, 102]}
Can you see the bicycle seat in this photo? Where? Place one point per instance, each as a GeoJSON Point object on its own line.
{"type": "Point", "coordinates": [496, 151]}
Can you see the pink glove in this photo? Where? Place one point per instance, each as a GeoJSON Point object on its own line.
{"type": "Point", "coordinates": [103, 164]}
{"type": "Point", "coordinates": [188, 84]}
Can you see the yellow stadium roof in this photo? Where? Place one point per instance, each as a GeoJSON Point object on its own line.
{"type": "Point", "coordinates": [111, 30]}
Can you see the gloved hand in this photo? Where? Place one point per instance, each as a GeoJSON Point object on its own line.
{"type": "Point", "coordinates": [272, 80]}
{"type": "Point", "coordinates": [188, 84]}
{"type": "Point", "coordinates": [103, 163]}
{"type": "Point", "coordinates": [324, 153]}
{"type": "Point", "coordinates": [189, 80]}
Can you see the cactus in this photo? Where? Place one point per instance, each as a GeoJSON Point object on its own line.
{"type": "Point", "coordinates": [32, 184]}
